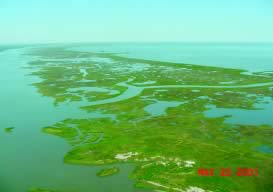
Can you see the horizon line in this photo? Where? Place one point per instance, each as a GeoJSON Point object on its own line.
{"type": "Point", "coordinates": [121, 42]}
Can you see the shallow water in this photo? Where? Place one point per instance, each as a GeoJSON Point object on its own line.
{"type": "Point", "coordinates": [31, 158]}
{"type": "Point", "coordinates": [249, 56]}
{"type": "Point", "coordinates": [159, 107]}
{"type": "Point", "coordinates": [265, 149]}
{"type": "Point", "coordinates": [261, 115]}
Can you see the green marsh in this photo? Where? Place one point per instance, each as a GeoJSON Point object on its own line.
{"type": "Point", "coordinates": [166, 148]}
{"type": "Point", "coordinates": [101, 121]}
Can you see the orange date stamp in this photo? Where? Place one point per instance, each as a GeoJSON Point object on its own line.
{"type": "Point", "coordinates": [228, 172]}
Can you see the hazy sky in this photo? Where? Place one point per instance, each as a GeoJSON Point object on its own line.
{"type": "Point", "coordinates": [35, 21]}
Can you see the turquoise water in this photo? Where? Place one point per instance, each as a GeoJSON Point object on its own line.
{"type": "Point", "coordinates": [249, 56]}
{"type": "Point", "coordinates": [30, 158]}
{"type": "Point", "coordinates": [261, 115]}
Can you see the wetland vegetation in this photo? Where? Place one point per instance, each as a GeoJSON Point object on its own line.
{"type": "Point", "coordinates": [158, 121]}
{"type": "Point", "coordinates": [108, 172]}
{"type": "Point", "coordinates": [8, 129]}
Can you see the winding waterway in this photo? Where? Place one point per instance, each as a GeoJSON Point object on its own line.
{"type": "Point", "coordinates": [133, 91]}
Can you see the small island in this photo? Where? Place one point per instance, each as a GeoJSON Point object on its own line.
{"type": "Point", "coordinates": [8, 129]}
{"type": "Point", "coordinates": [108, 172]}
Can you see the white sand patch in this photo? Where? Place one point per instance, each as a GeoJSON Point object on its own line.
{"type": "Point", "coordinates": [162, 163]}
{"type": "Point", "coordinates": [189, 189]}
{"type": "Point", "coordinates": [195, 189]}
{"type": "Point", "coordinates": [189, 163]}
{"type": "Point", "coordinates": [125, 156]}
{"type": "Point", "coordinates": [163, 186]}
{"type": "Point", "coordinates": [158, 184]}
{"type": "Point", "coordinates": [84, 72]}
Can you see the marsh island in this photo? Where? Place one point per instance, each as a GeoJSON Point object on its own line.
{"type": "Point", "coordinates": [161, 117]}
